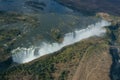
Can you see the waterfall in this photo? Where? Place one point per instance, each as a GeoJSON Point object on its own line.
{"type": "Point", "coordinates": [25, 55]}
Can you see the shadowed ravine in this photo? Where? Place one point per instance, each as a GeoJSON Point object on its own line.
{"type": "Point", "coordinates": [115, 53]}
{"type": "Point", "coordinates": [44, 40]}
{"type": "Point", "coordinates": [115, 67]}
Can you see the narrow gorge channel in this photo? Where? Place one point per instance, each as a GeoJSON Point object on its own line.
{"type": "Point", "coordinates": [115, 53]}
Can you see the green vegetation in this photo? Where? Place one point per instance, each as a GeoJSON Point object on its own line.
{"type": "Point", "coordinates": [9, 18]}
{"type": "Point", "coordinates": [7, 38]}
{"type": "Point", "coordinates": [63, 75]}
{"type": "Point", "coordinates": [8, 35]}
{"type": "Point", "coordinates": [11, 27]}
{"type": "Point", "coordinates": [62, 63]}
{"type": "Point", "coordinates": [57, 35]}
{"type": "Point", "coordinates": [57, 66]}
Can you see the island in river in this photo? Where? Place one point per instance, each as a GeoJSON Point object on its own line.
{"type": "Point", "coordinates": [87, 59]}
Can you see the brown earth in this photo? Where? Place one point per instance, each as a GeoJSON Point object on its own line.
{"type": "Point", "coordinates": [94, 64]}
{"type": "Point", "coordinates": [95, 68]}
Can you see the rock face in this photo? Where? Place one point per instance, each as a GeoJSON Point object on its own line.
{"type": "Point", "coordinates": [113, 19]}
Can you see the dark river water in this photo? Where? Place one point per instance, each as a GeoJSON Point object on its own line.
{"type": "Point", "coordinates": [49, 14]}
{"type": "Point", "coordinates": [33, 6]}
{"type": "Point", "coordinates": [115, 53]}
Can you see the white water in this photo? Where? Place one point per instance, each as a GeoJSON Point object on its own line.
{"type": "Point", "coordinates": [24, 55]}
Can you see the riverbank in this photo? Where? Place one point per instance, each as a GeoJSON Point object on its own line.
{"type": "Point", "coordinates": [87, 59]}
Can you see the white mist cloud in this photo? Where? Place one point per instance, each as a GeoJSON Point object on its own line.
{"type": "Point", "coordinates": [24, 55]}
